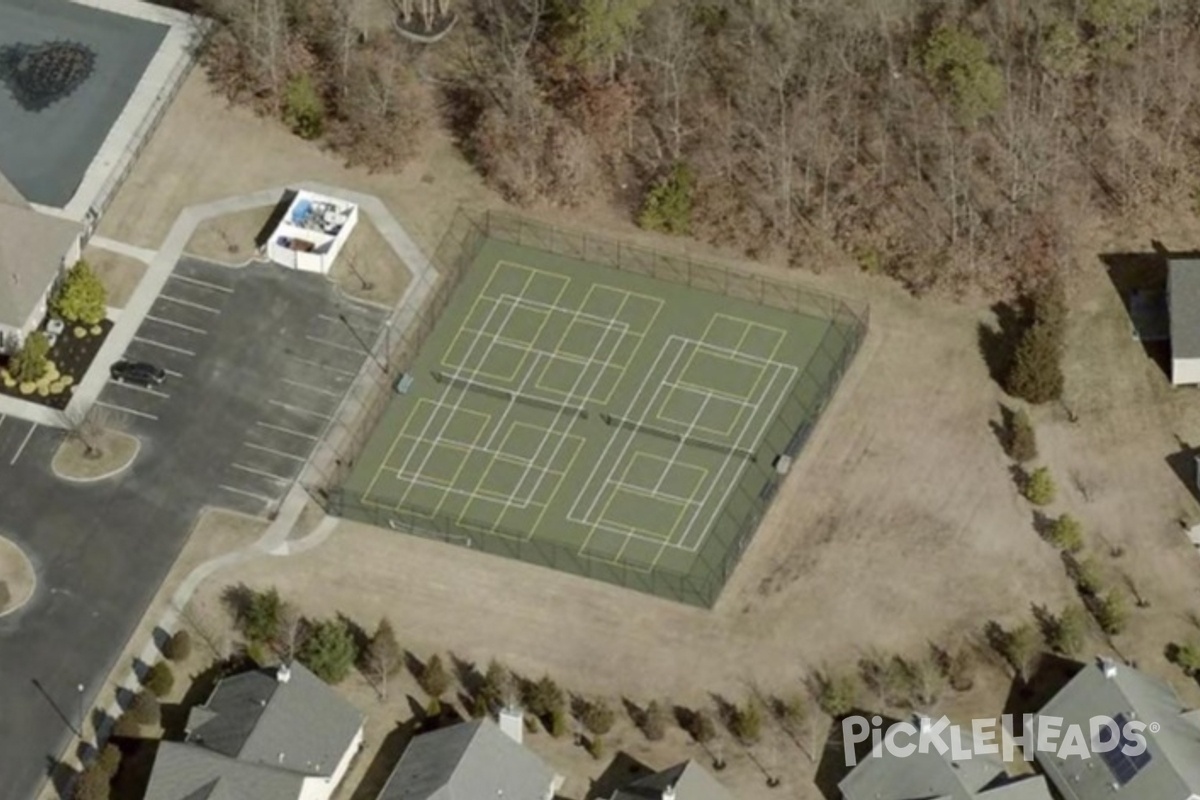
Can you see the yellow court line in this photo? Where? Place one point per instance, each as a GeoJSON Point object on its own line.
{"type": "Point", "coordinates": [482, 294]}
{"type": "Point", "coordinates": [657, 300]}
{"type": "Point", "coordinates": [655, 535]}
{"type": "Point", "coordinates": [662, 416]}
{"type": "Point", "coordinates": [454, 480]}
{"type": "Point", "coordinates": [395, 443]}
{"type": "Point", "coordinates": [579, 442]}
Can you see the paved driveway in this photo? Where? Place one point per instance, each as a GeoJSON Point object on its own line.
{"type": "Point", "coordinates": [258, 359]}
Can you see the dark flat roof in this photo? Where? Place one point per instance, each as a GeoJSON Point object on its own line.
{"type": "Point", "coordinates": [45, 153]}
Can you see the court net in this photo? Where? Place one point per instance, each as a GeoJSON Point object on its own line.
{"type": "Point", "coordinates": [509, 395]}
{"type": "Point", "coordinates": [693, 441]}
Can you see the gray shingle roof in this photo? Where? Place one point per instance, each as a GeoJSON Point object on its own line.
{"type": "Point", "coordinates": [691, 782]}
{"type": "Point", "coordinates": [185, 772]}
{"type": "Point", "coordinates": [469, 761]}
{"type": "Point", "coordinates": [255, 718]}
{"type": "Point", "coordinates": [1183, 301]}
{"type": "Point", "coordinates": [1174, 766]}
{"type": "Point", "coordinates": [935, 776]}
{"type": "Point", "coordinates": [257, 739]}
{"type": "Point", "coordinates": [32, 248]}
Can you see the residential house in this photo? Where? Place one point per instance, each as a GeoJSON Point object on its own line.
{"type": "Point", "coordinates": [268, 735]}
{"type": "Point", "coordinates": [34, 250]}
{"type": "Point", "coordinates": [931, 775]}
{"type": "Point", "coordinates": [686, 781]}
{"type": "Point", "coordinates": [1169, 766]}
{"type": "Point", "coordinates": [470, 761]}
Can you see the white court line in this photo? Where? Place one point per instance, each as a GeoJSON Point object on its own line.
{"type": "Point", "coordinates": [272, 451]}
{"type": "Point", "coordinates": [175, 324]}
{"type": "Point", "coordinates": [311, 388]}
{"type": "Point", "coordinates": [170, 347]}
{"type": "Point", "coordinates": [142, 389]}
{"type": "Point", "coordinates": [327, 343]}
{"type": "Point", "coordinates": [214, 286]}
{"type": "Point", "coordinates": [674, 498]}
{"type": "Point", "coordinates": [264, 474]}
{"type": "Point", "coordinates": [298, 410]}
{"type": "Point", "coordinates": [24, 442]}
{"type": "Point", "coordinates": [189, 304]}
{"type": "Point", "coordinates": [123, 409]}
{"type": "Point", "coordinates": [282, 429]}
{"type": "Point", "coordinates": [679, 445]}
{"type": "Point", "coordinates": [323, 366]}
{"type": "Point", "coordinates": [256, 496]}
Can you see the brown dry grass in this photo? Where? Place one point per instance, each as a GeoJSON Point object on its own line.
{"type": "Point", "coordinates": [230, 239]}
{"type": "Point", "coordinates": [368, 268]}
{"type": "Point", "coordinates": [119, 274]}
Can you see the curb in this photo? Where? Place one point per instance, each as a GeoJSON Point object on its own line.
{"type": "Point", "coordinates": [33, 586]}
{"type": "Point", "coordinates": [112, 473]}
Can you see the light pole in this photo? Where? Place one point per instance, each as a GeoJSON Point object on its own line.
{"type": "Point", "coordinates": [79, 688]}
{"type": "Point", "coordinates": [362, 344]}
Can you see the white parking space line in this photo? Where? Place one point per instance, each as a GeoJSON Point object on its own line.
{"type": "Point", "coordinates": [173, 373]}
{"type": "Point", "coordinates": [254, 471]}
{"type": "Point", "coordinates": [282, 429]}
{"type": "Point", "coordinates": [324, 366]}
{"type": "Point", "coordinates": [256, 496]}
{"type": "Point", "coordinates": [175, 324]}
{"type": "Point", "coordinates": [142, 389]}
{"type": "Point", "coordinates": [216, 287]}
{"type": "Point", "coordinates": [358, 351]}
{"type": "Point", "coordinates": [125, 410]}
{"type": "Point", "coordinates": [312, 388]}
{"type": "Point", "coordinates": [24, 442]}
{"type": "Point", "coordinates": [170, 347]}
{"type": "Point", "coordinates": [299, 410]}
{"type": "Point", "coordinates": [189, 304]}
{"type": "Point", "coordinates": [274, 452]}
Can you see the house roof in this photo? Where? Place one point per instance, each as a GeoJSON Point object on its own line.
{"type": "Point", "coordinates": [931, 775]}
{"type": "Point", "coordinates": [257, 738]}
{"type": "Point", "coordinates": [468, 761]}
{"type": "Point", "coordinates": [1183, 303]}
{"type": "Point", "coordinates": [300, 725]}
{"type": "Point", "coordinates": [1171, 766]}
{"type": "Point", "coordinates": [32, 248]}
{"type": "Point", "coordinates": [185, 772]}
{"type": "Point", "coordinates": [690, 781]}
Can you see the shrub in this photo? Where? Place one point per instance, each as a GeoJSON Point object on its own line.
{"type": "Point", "coordinates": [79, 331]}
{"type": "Point", "coordinates": [434, 679]}
{"type": "Point", "coordinates": [96, 330]}
{"type": "Point", "coordinates": [1087, 577]}
{"type": "Point", "coordinates": [160, 680]}
{"type": "Point", "coordinates": [544, 697]}
{"type": "Point", "coordinates": [654, 721]}
{"type": "Point", "coordinates": [700, 726]}
{"type": "Point", "coordinates": [1187, 657]}
{"type": "Point", "coordinates": [597, 717]}
{"type": "Point", "coordinates": [109, 760]}
{"type": "Point", "coordinates": [30, 363]}
{"type": "Point", "coordinates": [1112, 612]}
{"type": "Point", "coordinates": [960, 670]}
{"type": "Point", "coordinates": [956, 61]}
{"type": "Point", "coordinates": [1066, 533]}
{"type": "Point", "coordinates": [745, 723]}
{"type": "Point", "coordinates": [667, 207]}
{"type": "Point", "coordinates": [81, 298]}
{"type": "Point", "coordinates": [1067, 631]}
{"type": "Point", "coordinates": [126, 727]}
{"type": "Point", "coordinates": [1022, 438]}
{"type": "Point", "coordinates": [595, 747]}
{"type": "Point", "coordinates": [261, 616]}
{"type": "Point", "coordinates": [179, 646]}
{"type": "Point", "coordinates": [433, 709]}
{"type": "Point", "coordinates": [558, 723]}
{"type": "Point", "coordinates": [1036, 375]}
{"type": "Point", "coordinates": [837, 694]}
{"type": "Point", "coordinates": [329, 650]}
{"type": "Point", "coordinates": [303, 109]}
{"type": "Point", "coordinates": [1039, 487]}
{"type": "Point", "coordinates": [92, 784]}
{"type": "Point", "coordinates": [499, 686]}
{"type": "Point", "coordinates": [791, 711]}
{"type": "Point", "coordinates": [145, 709]}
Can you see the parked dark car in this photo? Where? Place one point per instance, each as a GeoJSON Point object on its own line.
{"type": "Point", "coordinates": [138, 373]}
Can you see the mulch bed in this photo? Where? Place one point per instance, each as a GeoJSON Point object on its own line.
{"type": "Point", "coordinates": [72, 357]}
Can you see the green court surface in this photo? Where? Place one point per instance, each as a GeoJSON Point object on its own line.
{"type": "Point", "coordinates": [594, 420]}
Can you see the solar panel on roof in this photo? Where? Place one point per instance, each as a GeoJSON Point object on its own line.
{"type": "Point", "coordinates": [1124, 768]}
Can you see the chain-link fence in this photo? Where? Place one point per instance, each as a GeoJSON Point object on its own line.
{"type": "Point", "coordinates": [764, 470]}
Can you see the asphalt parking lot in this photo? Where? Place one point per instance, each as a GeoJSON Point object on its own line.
{"type": "Point", "coordinates": [258, 359]}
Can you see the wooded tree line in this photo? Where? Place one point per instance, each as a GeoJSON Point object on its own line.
{"type": "Point", "coordinates": [947, 144]}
